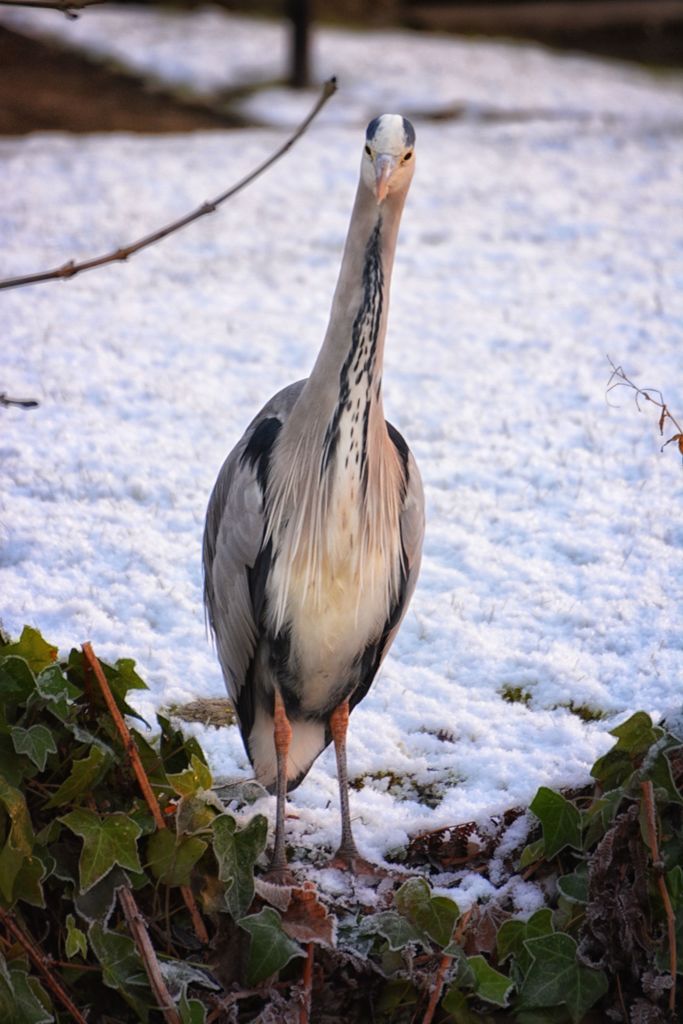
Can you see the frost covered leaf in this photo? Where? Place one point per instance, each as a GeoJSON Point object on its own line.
{"type": "Point", "coordinates": [392, 926]}
{"type": "Point", "coordinates": [76, 941]}
{"type": "Point", "coordinates": [193, 779]}
{"type": "Point", "coordinates": [23, 1000]}
{"type": "Point", "coordinates": [560, 820]}
{"type": "Point", "coordinates": [270, 949]}
{"type": "Point", "coordinates": [36, 742]}
{"type": "Point", "coordinates": [81, 779]}
{"type": "Point", "coordinates": [171, 858]}
{"type": "Point", "coordinates": [435, 916]}
{"type": "Point", "coordinates": [236, 851]}
{"type": "Point", "coordinates": [108, 840]}
{"type": "Point", "coordinates": [122, 968]}
{"type": "Point", "coordinates": [178, 975]}
{"type": "Point", "coordinates": [531, 853]}
{"type": "Point", "coordinates": [555, 977]}
{"type": "Point", "coordinates": [307, 919]}
{"type": "Point", "coordinates": [490, 984]}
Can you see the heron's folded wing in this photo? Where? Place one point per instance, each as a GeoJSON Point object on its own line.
{"type": "Point", "coordinates": [232, 540]}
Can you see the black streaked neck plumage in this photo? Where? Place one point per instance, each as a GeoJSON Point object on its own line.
{"type": "Point", "coordinates": [352, 353]}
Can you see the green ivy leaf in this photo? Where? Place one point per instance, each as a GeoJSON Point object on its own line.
{"type": "Point", "coordinates": [455, 1003]}
{"type": "Point", "coordinates": [31, 646]}
{"type": "Point", "coordinates": [23, 1000]}
{"type": "Point", "coordinates": [600, 815]}
{"type": "Point", "coordinates": [171, 858]}
{"type": "Point", "coordinates": [107, 841]}
{"type": "Point", "coordinates": [191, 1011]}
{"type": "Point", "coordinates": [434, 916]}
{"type": "Point", "coordinates": [560, 820]}
{"type": "Point", "coordinates": [36, 742]}
{"type": "Point", "coordinates": [122, 968]}
{"type": "Point", "coordinates": [575, 886]}
{"type": "Point", "coordinates": [393, 927]}
{"type": "Point", "coordinates": [76, 941]}
{"type": "Point", "coordinates": [81, 779]}
{"type": "Point", "coordinates": [531, 853]}
{"type": "Point", "coordinates": [636, 734]}
{"type": "Point", "coordinates": [270, 949]}
{"type": "Point", "coordinates": [19, 840]}
{"type": "Point", "coordinates": [236, 852]}
{"type": "Point", "coordinates": [613, 769]}
{"type": "Point", "coordinates": [28, 885]}
{"type": "Point", "coordinates": [194, 779]}
{"type": "Point", "coordinates": [513, 934]}
{"type": "Point", "coordinates": [17, 681]}
{"type": "Point", "coordinates": [555, 977]}
{"type": "Point", "coordinates": [490, 985]}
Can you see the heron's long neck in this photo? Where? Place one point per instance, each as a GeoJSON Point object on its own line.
{"type": "Point", "coordinates": [348, 371]}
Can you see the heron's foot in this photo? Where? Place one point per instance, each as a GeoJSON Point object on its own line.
{"type": "Point", "coordinates": [349, 859]}
{"type": "Point", "coordinates": [279, 874]}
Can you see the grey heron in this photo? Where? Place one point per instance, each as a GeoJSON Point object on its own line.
{"type": "Point", "coordinates": [314, 527]}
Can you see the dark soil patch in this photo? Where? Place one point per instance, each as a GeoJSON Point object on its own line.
{"type": "Point", "coordinates": [45, 86]}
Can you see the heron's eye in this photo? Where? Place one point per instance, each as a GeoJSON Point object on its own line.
{"type": "Point", "coordinates": [368, 151]}
{"type": "Point", "coordinates": [407, 156]}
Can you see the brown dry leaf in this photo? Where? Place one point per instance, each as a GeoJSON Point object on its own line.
{"type": "Point", "coordinates": [307, 919]}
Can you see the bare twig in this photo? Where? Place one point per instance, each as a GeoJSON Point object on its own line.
{"type": "Point", "coordinates": [22, 403]}
{"type": "Point", "coordinates": [304, 1013]}
{"type": "Point", "coordinates": [141, 775]}
{"type": "Point", "coordinates": [444, 964]}
{"type": "Point", "coordinates": [618, 379]}
{"type": "Point", "coordinates": [138, 930]}
{"type": "Point", "coordinates": [68, 7]}
{"type": "Point", "coordinates": [72, 268]}
{"type": "Point", "coordinates": [42, 965]}
{"type": "Point", "coordinates": [658, 868]}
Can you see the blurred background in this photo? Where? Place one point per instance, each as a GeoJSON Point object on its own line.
{"type": "Point", "coordinates": [52, 76]}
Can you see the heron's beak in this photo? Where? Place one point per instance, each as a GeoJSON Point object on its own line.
{"type": "Point", "coordinates": [384, 168]}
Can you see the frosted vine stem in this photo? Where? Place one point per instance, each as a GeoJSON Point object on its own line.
{"type": "Point", "coordinates": [71, 268]}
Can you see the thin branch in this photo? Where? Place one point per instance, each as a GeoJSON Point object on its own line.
{"type": "Point", "coordinates": [70, 269]}
{"type": "Point", "coordinates": [304, 1013]}
{"type": "Point", "coordinates": [138, 930]}
{"type": "Point", "coordinates": [94, 666]}
{"type": "Point", "coordinates": [658, 868]}
{"type": "Point", "coordinates": [444, 964]}
{"type": "Point", "coordinates": [618, 379]}
{"type": "Point", "coordinates": [21, 403]}
{"type": "Point", "coordinates": [41, 963]}
{"type": "Point", "coordinates": [68, 7]}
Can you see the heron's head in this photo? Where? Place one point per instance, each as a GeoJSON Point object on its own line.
{"type": "Point", "coordinates": [389, 155]}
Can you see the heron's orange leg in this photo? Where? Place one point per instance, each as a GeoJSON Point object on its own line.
{"type": "Point", "coordinates": [282, 733]}
{"type": "Point", "coordinates": [347, 855]}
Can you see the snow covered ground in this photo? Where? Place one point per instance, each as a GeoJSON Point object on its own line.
{"type": "Point", "coordinates": [534, 242]}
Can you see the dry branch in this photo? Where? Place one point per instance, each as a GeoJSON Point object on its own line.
{"type": "Point", "coordinates": [68, 7]}
{"type": "Point", "coordinates": [658, 867]}
{"type": "Point", "coordinates": [138, 930]}
{"type": "Point", "coordinates": [21, 403]}
{"type": "Point", "coordinates": [618, 379]}
{"type": "Point", "coordinates": [42, 965]}
{"type": "Point", "coordinates": [71, 268]}
{"type": "Point", "coordinates": [141, 775]}
{"type": "Point", "coordinates": [444, 964]}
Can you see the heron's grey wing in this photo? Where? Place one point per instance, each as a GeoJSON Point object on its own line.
{"type": "Point", "coordinates": [412, 525]}
{"type": "Point", "coordinates": [233, 541]}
